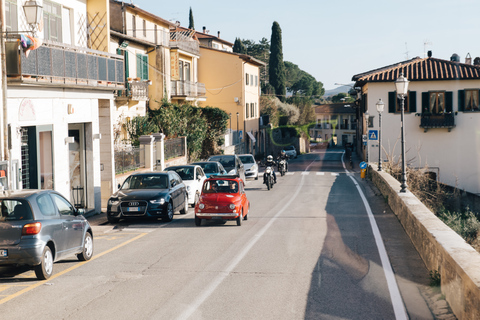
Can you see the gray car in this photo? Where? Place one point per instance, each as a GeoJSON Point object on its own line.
{"type": "Point", "coordinates": [39, 227]}
{"type": "Point", "coordinates": [231, 163]}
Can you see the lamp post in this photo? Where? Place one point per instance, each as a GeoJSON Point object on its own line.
{"type": "Point", "coordinates": [367, 116]}
{"type": "Point", "coordinates": [231, 135]}
{"type": "Point", "coordinates": [238, 131]}
{"type": "Point", "coordinates": [380, 106]}
{"type": "Point", "coordinates": [401, 85]}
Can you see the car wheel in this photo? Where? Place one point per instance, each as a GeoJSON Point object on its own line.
{"type": "Point", "coordinates": [169, 216]}
{"type": "Point", "coordinates": [197, 198]}
{"type": "Point", "coordinates": [45, 269]}
{"type": "Point", "coordinates": [185, 206]}
{"type": "Point", "coordinates": [256, 178]}
{"type": "Point", "coordinates": [87, 251]}
{"type": "Point", "coordinates": [239, 219]}
{"type": "Point", "coordinates": [198, 221]}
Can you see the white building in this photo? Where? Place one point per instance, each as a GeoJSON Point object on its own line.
{"type": "Point", "coordinates": [442, 116]}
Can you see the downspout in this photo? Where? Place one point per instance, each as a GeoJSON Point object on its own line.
{"type": "Point", "coordinates": [4, 127]}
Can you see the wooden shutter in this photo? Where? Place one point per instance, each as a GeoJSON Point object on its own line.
{"type": "Point", "coordinates": [412, 101]}
{"type": "Point", "coordinates": [392, 102]}
{"type": "Point", "coordinates": [145, 67]}
{"type": "Point", "coordinates": [461, 100]}
{"type": "Point", "coordinates": [425, 101]}
{"type": "Point", "coordinates": [139, 66]}
{"type": "Point", "coordinates": [448, 101]}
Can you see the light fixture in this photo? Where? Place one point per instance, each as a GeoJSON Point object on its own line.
{"type": "Point", "coordinates": [401, 85]}
{"type": "Point", "coordinates": [33, 12]}
{"type": "Point", "coordinates": [380, 106]}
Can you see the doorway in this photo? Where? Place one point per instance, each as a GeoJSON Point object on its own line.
{"type": "Point", "coordinates": [76, 151]}
{"type": "Point", "coordinates": [37, 157]}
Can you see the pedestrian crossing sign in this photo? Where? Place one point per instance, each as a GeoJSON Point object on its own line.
{"type": "Point", "coordinates": [372, 134]}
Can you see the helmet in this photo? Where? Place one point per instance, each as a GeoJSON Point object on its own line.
{"type": "Point", "coordinates": [282, 152]}
{"type": "Point", "coordinates": [269, 158]}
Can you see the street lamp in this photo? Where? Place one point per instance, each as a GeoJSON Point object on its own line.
{"type": "Point", "coordinates": [401, 85]}
{"type": "Point", "coordinates": [33, 13]}
{"type": "Point", "coordinates": [231, 135]}
{"type": "Point", "coordinates": [380, 106]}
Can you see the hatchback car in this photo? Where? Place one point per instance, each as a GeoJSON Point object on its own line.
{"type": "Point", "coordinates": [193, 177]}
{"type": "Point", "coordinates": [251, 167]}
{"type": "Point", "coordinates": [149, 194]}
{"type": "Point", "coordinates": [222, 198]}
{"type": "Point", "coordinates": [39, 227]}
{"type": "Point", "coordinates": [211, 168]}
{"type": "Point", "coordinates": [231, 163]}
{"type": "Point", "coordinates": [291, 152]}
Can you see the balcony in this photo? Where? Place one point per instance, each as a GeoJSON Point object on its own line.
{"type": "Point", "coordinates": [184, 40]}
{"type": "Point", "coordinates": [187, 89]}
{"type": "Point", "coordinates": [61, 65]}
{"type": "Point", "coordinates": [441, 120]}
{"type": "Point", "coordinates": [136, 90]}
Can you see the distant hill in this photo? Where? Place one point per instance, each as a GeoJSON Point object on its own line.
{"type": "Point", "coordinates": [332, 92]}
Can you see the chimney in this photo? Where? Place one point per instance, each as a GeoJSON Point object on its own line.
{"type": "Point", "coordinates": [455, 58]}
{"type": "Point", "coordinates": [429, 53]}
{"type": "Point", "coordinates": [204, 29]}
{"type": "Point", "coordinates": [218, 32]}
{"type": "Point", "coordinates": [476, 61]}
{"type": "Point", "coordinates": [468, 59]}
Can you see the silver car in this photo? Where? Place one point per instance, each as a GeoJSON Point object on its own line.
{"type": "Point", "coordinates": [39, 227]}
{"type": "Point", "coordinates": [251, 167]}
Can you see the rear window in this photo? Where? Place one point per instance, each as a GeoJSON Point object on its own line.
{"type": "Point", "coordinates": [14, 210]}
{"type": "Point", "coordinates": [247, 159]}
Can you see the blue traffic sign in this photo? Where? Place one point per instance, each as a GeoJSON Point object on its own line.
{"type": "Point", "coordinates": [363, 165]}
{"type": "Point", "coordinates": [372, 134]}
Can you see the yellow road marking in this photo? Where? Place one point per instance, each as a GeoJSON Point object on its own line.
{"type": "Point", "coordinates": [19, 293]}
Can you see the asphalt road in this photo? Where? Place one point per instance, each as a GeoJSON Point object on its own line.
{"type": "Point", "coordinates": [307, 251]}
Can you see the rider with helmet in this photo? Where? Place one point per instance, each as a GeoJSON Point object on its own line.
{"type": "Point", "coordinates": [270, 163]}
{"type": "Point", "coordinates": [283, 156]}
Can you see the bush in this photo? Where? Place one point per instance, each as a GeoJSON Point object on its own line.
{"type": "Point", "coordinates": [466, 223]}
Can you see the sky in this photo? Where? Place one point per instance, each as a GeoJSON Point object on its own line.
{"type": "Point", "coordinates": [336, 39]}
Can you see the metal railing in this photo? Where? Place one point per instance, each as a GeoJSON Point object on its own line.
{"type": "Point", "coordinates": [135, 90]}
{"type": "Point", "coordinates": [182, 88]}
{"type": "Point", "coordinates": [129, 159]}
{"type": "Point", "coordinates": [64, 65]}
{"type": "Point", "coordinates": [174, 148]}
{"type": "Point", "coordinates": [184, 40]}
{"type": "Point", "coordinates": [443, 120]}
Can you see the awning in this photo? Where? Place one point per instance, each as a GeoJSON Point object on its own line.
{"type": "Point", "coordinates": [251, 137]}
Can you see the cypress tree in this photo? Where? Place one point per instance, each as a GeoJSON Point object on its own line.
{"type": "Point", "coordinates": [276, 72]}
{"type": "Point", "coordinates": [191, 25]}
{"type": "Point", "coordinates": [239, 47]}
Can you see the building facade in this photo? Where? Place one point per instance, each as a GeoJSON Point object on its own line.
{"type": "Point", "coordinates": [336, 124]}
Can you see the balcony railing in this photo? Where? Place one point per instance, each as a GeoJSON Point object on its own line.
{"type": "Point", "coordinates": [64, 65]}
{"type": "Point", "coordinates": [134, 90]}
{"type": "Point", "coordinates": [188, 89]}
{"type": "Point", "coordinates": [441, 120]}
{"type": "Point", "coordinates": [184, 40]}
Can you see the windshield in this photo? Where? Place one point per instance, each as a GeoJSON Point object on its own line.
{"type": "Point", "coordinates": [209, 167]}
{"type": "Point", "coordinates": [247, 159]}
{"type": "Point", "coordinates": [146, 182]}
{"type": "Point", "coordinates": [222, 186]}
{"type": "Point", "coordinates": [228, 162]}
{"type": "Point", "coordinates": [186, 173]}
{"type": "Point", "coordinates": [15, 210]}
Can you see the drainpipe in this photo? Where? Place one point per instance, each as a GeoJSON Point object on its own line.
{"type": "Point", "coordinates": [4, 126]}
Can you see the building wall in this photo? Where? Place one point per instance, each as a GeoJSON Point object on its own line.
{"type": "Point", "coordinates": [454, 155]}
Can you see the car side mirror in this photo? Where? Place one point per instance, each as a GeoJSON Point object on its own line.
{"type": "Point", "coordinates": [79, 212]}
{"type": "Point", "coordinates": [119, 186]}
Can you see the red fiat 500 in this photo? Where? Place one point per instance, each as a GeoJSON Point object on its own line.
{"type": "Point", "coordinates": [223, 198]}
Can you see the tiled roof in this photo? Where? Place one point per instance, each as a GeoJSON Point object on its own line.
{"type": "Point", "coordinates": [418, 69]}
{"type": "Point", "coordinates": [335, 108]}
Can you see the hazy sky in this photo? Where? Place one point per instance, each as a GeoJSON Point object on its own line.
{"type": "Point", "coordinates": [334, 40]}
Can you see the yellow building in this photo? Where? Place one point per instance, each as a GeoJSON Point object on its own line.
{"type": "Point", "coordinates": [232, 83]}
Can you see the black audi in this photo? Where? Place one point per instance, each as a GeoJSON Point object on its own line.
{"type": "Point", "coordinates": [149, 194]}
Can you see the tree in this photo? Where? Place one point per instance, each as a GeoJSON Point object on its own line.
{"type": "Point", "coordinates": [239, 47]}
{"type": "Point", "coordinates": [276, 74]}
{"type": "Point", "coordinates": [342, 97]}
{"type": "Point", "coordinates": [191, 24]}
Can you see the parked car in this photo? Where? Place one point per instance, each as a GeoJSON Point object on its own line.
{"type": "Point", "coordinates": [40, 227]}
{"type": "Point", "coordinates": [251, 166]}
{"type": "Point", "coordinates": [291, 152]}
{"type": "Point", "coordinates": [193, 177]}
{"type": "Point", "coordinates": [222, 198]}
{"type": "Point", "coordinates": [149, 194]}
{"type": "Point", "coordinates": [231, 163]}
{"type": "Point", "coordinates": [211, 167]}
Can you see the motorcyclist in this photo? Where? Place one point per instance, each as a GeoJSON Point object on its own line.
{"type": "Point", "coordinates": [270, 163]}
{"type": "Point", "coordinates": [283, 156]}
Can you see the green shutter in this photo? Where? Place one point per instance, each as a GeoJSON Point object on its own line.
{"type": "Point", "coordinates": [127, 72]}
{"type": "Point", "coordinates": [391, 102]}
{"type": "Point", "coordinates": [461, 100]}
{"type": "Point", "coordinates": [145, 68]}
{"type": "Point", "coordinates": [139, 66]}
{"type": "Point", "coordinates": [412, 101]}
{"type": "Point", "coordinates": [425, 101]}
{"type": "Point", "coordinates": [448, 101]}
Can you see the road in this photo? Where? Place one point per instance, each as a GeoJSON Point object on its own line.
{"type": "Point", "coordinates": [309, 250]}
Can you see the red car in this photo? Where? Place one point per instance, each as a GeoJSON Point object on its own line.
{"type": "Point", "coordinates": [222, 198]}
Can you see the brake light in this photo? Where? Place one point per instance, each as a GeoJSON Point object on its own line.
{"type": "Point", "coordinates": [31, 229]}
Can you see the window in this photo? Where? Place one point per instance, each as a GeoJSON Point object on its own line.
{"type": "Point", "coordinates": [395, 103]}
{"type": "Point", "coordinates": [134, 26]}
{"type": "Point", "coordinates": [187, 71]}
{"type": "Point", "coordinates": [11, 15]}
{"type": "Point", "coordinates": [437, 102]}
{"type": "Point", "coordinates": [246, 79]}
{"type": "Point", "coordinates": [144, 28]}
{"type": "Point", "coordinates": [142, 66]}
{"type": "Point", "coordinates": [252, 110]}
{"type": "Point", "coordinates": [471, 100]}
{"type": "Point", "coordinates": [256, 81]}
{"type": "Point", "coordinates": [251, 79]}
{"type": "Point", "coordinates": [155, 28]}
{"type": "Point", "coordinates": [63, 205]}
{"type": "Point", "coordinates": [52, 21]}
{"type": "Point", "coordinates": [45, 204]}
{"type": "Point", "coordinates": [247, 110]}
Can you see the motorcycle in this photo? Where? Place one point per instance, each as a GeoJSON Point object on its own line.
{"type": "Point", "coordinates": [282, 166]}
{"type": "Point", "coordinates": [269, 177]}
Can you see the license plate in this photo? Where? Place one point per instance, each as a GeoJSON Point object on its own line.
{"type": "Point", "coordinates": [3, 253]}
{"type": "Point", "coordinates": [133, 209]}
{"type": "Point", "coordinates": [216, 218]}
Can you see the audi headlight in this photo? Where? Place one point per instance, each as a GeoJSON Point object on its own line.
{"type": "Point", "coordinates": [158, 201]}
{"type": "Point", "coordinates": [113, 202]}
{"type": "Point", "coordinates": [201, 206]}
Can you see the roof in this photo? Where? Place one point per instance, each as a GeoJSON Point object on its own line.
{"type": "Point", "coordinates": [418, 69]}
{"type": "Point", "coordinates": [143, 12]}
{"type": "Point", "coordinates": [335, 108]}
{"type": "Point", "coordinates": [201, 35]}
{"type": "Point", "coordinates": [244, 57]}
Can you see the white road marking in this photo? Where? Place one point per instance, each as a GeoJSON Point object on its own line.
{"type": "Point", "coordinates": [320, 173]}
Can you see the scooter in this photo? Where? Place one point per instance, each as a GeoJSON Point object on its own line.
{"type": "Point", "coordinates": [282, 166]}
{"type": "Point", "coordinates": [269, 177]}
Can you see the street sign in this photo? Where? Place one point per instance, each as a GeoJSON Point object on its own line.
{"type": "Point", "coordinates": [372, 134]}
{"type": "Point", "coordinates": [364, 138]}
{"type": "Point", "coordinates": [363, 165]}
{"type": "Point", "coordinates": [240, 134]}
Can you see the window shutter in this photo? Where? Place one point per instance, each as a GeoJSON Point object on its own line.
{"type": "Point", "coordinates": [127, 70]}
{"type": "Point", "coordinates": [391, 102]}
{"type": "Point", "coordinates": [461, 100]}
{"type": "Point", "coordinates": [412, 101]}
{"type": "Point", "coordinates": [425, 100]}
{"type": "Point", "coordinates": [139, 66]}
{"type": "Point", "coordinates": [448, 101]}
{"type": "Point", "coordinates": [145, 68]}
